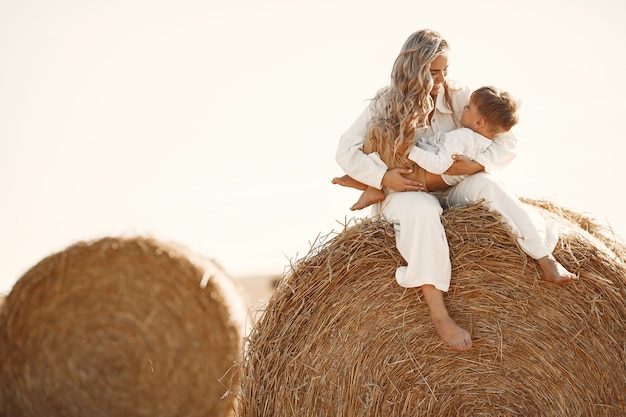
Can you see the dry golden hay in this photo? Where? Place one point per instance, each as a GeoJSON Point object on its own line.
{"type": "Point", "coordinates": [340, 338]}
{"type": "Point", "coordinates": [120, 327]}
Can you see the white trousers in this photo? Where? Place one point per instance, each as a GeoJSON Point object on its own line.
{"type": "Point", "coordinates": [534, 234]}
{"type": "Point", "coordinates": [421, 238]}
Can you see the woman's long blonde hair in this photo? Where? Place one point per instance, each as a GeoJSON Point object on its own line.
{"type": "Point", "coordinates": [405, 103]}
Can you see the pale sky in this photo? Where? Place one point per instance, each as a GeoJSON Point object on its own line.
{"type": "Point", "coordinates": [214, 124]}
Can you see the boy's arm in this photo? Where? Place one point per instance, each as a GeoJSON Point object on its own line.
{"type": "Point", "coordinates": [437, 163]}
{"type": "Point", "coordinates": [457, 142]}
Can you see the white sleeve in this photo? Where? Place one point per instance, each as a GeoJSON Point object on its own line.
{"type": "Point", "coordinates": [453, 143]}
{"type": "Point", "coordinates": [500, 153]}
{"type": "Point", "coordinates": [366, 168]}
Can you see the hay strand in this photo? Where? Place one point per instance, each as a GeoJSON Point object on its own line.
{"type": "Point", "coordinates": [341, 338]}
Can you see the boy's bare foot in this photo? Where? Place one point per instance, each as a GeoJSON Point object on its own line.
{"type": "Point", "coordinates": [451, 333]}
{"type": "Point", "coordinates": [348, 181]}
{"type": "Point", "coordinates": [554, 271]}
{"type": "Point", "coordinates": [368, 197]}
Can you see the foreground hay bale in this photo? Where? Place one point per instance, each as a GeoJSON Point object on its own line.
{"type": "Point", "coordinates": [119, 327]}
{"type": "Point", "coordinates": [341, 338]}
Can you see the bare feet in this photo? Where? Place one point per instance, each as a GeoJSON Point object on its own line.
{"type": "Point", "coordinates": [368, 197]}
{"type": "Point", "coordinates": [348, 181]}
{"type": "Point", "coordinates": [451, 333]}
{"type": "Point", "coordinates": [554, 271]}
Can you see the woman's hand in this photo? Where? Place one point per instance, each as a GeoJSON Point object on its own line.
{"type": "Point", "coordinates": [396, 180]}
{"type": "Point", "coordinates": [464, 166]}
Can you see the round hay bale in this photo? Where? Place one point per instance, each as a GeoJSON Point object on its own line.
{"type": "Point", "coordinates": [120, 327]}
{"type": "Point", "coordinates": [341, 338]}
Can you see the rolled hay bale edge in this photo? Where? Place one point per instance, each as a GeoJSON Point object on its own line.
{"type": "Point", "coordinates": [340, 337]}
{"type": "Point", "coordinates": [120, 326]}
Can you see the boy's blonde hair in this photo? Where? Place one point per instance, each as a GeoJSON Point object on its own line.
{"type": "Point", "coordinates": [498, 107]}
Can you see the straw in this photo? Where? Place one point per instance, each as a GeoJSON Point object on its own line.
{"type": "Point", "coordinates": [118, 327]}
{"type": "Point", "coordinates": [339, 337]}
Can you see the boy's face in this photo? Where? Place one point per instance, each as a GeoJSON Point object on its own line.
{"type": "Point", "coordinates": [471, 118]}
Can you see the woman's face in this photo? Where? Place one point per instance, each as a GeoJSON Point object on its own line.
{"type": "Point", "coordinates": [439, 71]}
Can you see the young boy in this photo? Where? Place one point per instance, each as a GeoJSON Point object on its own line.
{"type": "Point", "coordinates": [489, 112]}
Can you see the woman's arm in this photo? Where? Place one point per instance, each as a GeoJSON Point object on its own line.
{"type": "Point", "coordinates": [369, 168]}
{"type": "Point", "coordinates": [366, 168]}
{"type": "Point", "coordinates": [462, 165]}
{"type": "Point", "coordinates": [396, 180]}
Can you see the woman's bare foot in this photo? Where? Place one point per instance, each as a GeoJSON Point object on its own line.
{"type": "Point", "coordinates": [451, 333]}
{"type": "Point", "coordinates": [348, 181]}
{"type": "Point", "coordinates": [554, 271]}
{"type": "Point", "coordinates": [368, 197]}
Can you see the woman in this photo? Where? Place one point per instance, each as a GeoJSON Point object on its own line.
{"type": "Point", "coordinates": [420, 101]}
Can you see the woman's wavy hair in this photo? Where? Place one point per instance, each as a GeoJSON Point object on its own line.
{"type": "Point", "coordinates": [406, 101]}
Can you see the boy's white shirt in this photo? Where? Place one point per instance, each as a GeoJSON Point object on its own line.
{"type": "Point", "coordinates": [434, 153]}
